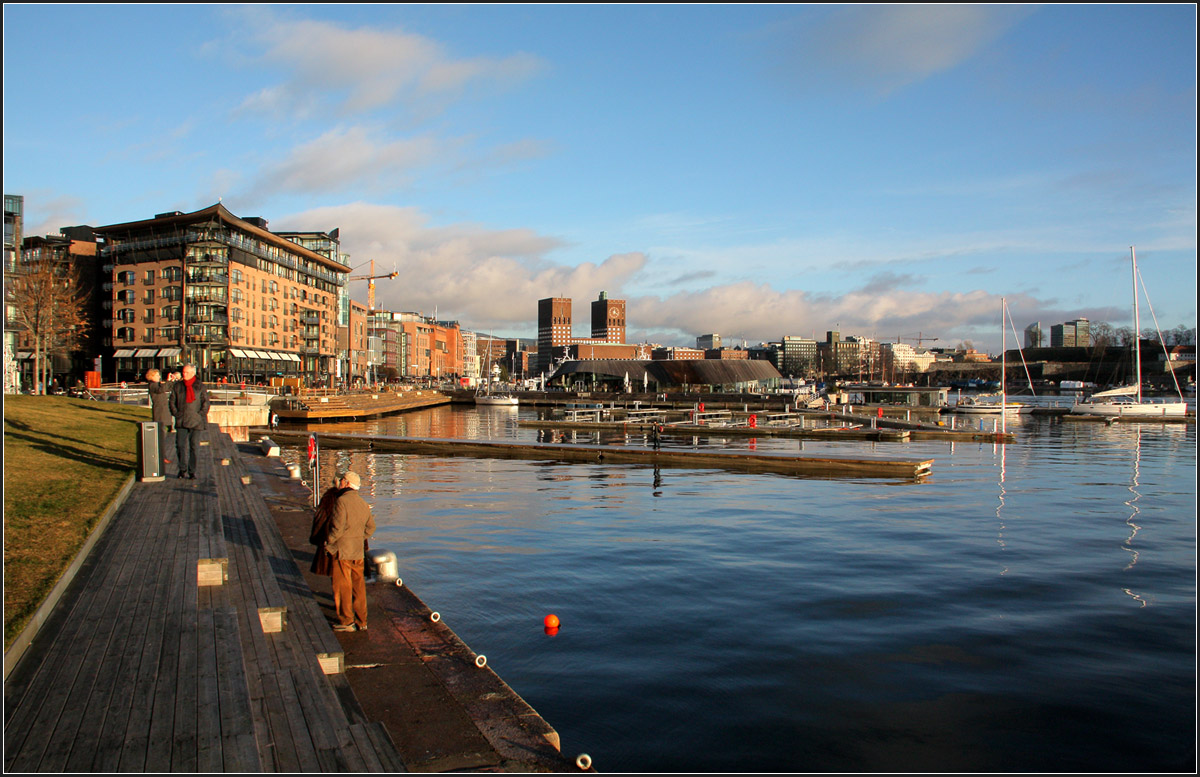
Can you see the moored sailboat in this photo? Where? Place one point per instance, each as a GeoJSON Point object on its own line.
{"type": "Point", "coordinates": [1127, 401]}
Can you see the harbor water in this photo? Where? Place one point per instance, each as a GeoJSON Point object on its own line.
{"type": "Point", "coordinates": [1030, 606]}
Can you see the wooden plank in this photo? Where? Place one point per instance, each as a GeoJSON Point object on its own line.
{"type": "Point", "coordinates": [72, 654]}
{"type": "Point", "coordinates": [44, 662]}
{"type": "Point", "coordinates": [290, 728]}
{"type": "Point", "coordinates": [207, 703]}
{"type": "Point", "coordinates": [239, 748]}
{"type": "Point", "coordinates": [366, 748]}
{"type": "Point", "coordinates": [147, 632]}
{"type": "Point", "coordinates": [115, 677]}
{"type": "Point", "coordinates": [136, 743]}
{"type": "Point", "coordinates": [161, 723]}
{"type": "Point", "coordinates": [193, 624]}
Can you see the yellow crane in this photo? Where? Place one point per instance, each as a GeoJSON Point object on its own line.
{"type": "Point", "coordinates": [371, 285]}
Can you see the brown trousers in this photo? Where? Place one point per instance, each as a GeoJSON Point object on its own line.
{"type": "Point", "coordinates": [349, 592]}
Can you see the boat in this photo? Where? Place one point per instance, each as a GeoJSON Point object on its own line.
{"type": "Point", "coordinates": [985, 405]}
{"type": "Point", "coordinates": [1127, 401]}
{"type": "Point", "coordinates": [496, 400]}
{"type": "Point", "coordinates": [484, 396]}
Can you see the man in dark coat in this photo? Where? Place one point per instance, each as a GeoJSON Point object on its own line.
{"type": "Point", "coordinates": [160, 413]}
{"type": "Point", "coordinates": [189, 407]}
{"type": "Point", "coordinates": [323, 562]}
{"type": "Point", "coordinates": [352, 524]}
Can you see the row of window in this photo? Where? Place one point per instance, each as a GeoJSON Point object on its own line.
{"type": "Point", "coordinates": [171, 274]}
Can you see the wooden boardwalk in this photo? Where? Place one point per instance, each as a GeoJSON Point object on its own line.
{"type": "Point", "coordinates": [189, 641]}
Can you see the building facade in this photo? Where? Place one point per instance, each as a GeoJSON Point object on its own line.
{"type": "Point", "coordinates": [1071, 334]}
{"type": "Point", "coordinates": [14, 221]}
{"type": "Point", "coordinates": [554, 331]}
{"type": "Point", "coordinates": [223, 293]}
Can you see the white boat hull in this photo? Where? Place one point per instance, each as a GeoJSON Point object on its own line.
{"type": "Point", "coordinates": [1132, 409]}
{"type": "Point", "coordinates": [496, 401]}
{"type": "Point", "coordinates": [990, 409]}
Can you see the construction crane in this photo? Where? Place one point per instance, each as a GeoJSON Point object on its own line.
{"type": "Point", "coordinates": [371, 285]}
{"type": "Point", "coordinates": [919, 338]}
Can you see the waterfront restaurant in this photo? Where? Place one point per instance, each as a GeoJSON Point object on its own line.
{"type": "Point", "coordinates": [223, 293]}
{"type": "Point", "coordinates": [699, 375]}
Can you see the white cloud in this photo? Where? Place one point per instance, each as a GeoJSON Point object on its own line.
{"type": "Point", "coordinates": [347, 157]}
{"type": "Point", "coordinates": [487, 278]}
{"type": "Point", "coordinates": [491, 279]}
{"type": "Point", "coordinates": [365, 68]}
{"type": "Point", "coordinates": [882, 48]}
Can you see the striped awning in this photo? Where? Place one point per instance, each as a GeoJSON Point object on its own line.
{"type": "Point", "coordinates": [238, 352]}
{"type": "Point", "coordinates": [123, 353]}
{"type": "Point", "coordinates": [145, 353]}
{"type": "Point", "coordinates": [169, 352]}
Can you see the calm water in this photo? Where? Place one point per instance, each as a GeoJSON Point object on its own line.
{"type": "Point", "coordinates": [1030, 607]}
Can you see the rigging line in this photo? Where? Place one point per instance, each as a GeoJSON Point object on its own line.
{"type": "Point", "coordinates": [1158, 330]}
{"type": "Point", "coordinates": [1021, 351]}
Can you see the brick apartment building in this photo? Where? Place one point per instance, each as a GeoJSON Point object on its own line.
{"type": "Point", "coordinates": [223, 293]}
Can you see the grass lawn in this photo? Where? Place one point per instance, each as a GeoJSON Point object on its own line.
{"type": "Point", "coordinates": [64, 462]}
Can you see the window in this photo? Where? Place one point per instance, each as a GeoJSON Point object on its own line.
{"type": "Point", "coordinates": [149, 277]}
{"type": "Point", "coordinates": [149, 300]}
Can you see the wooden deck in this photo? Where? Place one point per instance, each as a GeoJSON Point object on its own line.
{"type": "Point", "coordinates": [189, 641]}
{"type": "Point", "coordinates": [355, 407]}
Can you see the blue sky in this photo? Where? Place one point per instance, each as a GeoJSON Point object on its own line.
{"type": "Point", "coordinates": [750, 170]}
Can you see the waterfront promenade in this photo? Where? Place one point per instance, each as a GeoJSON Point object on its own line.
{"type": "Point", "coordinates": [190, 640]}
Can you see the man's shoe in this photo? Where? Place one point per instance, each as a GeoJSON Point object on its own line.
{"type": "Point", "coordinates": [361, 627]}
{"type": "Point", "coordinates": [340, 627]}
{"type": "Point", "coordinates": [191, 476]}
{"type": "Point", "coordinates": [182, 474]}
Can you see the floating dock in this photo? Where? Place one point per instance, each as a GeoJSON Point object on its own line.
{"type": "Point", "coordinates": [783, 463]}
{"type": "Point", "coordinates": [854, 427]}
{"type": "Point", "coordinates": [353, 407]}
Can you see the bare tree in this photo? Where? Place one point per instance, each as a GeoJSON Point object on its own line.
{"type": "Point", "coordinates": [48, 305]}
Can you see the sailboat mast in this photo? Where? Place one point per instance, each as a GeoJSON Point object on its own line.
{"type": "Point", "coordinates": [1137, 328]}
{"type": "Point", "coordinates": [1003, 370]}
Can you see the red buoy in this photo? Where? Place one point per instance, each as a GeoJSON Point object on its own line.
{"type": "Point", "coordinates": [551, 621]}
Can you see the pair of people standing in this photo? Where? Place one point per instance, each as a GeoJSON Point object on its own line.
{"type": "Point", "coordinates": [341, 527]}
{"type": "Point", "coordinates": [184, 402]}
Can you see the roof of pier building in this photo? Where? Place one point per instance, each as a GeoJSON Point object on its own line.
{"type": "Point", "coordinates": [691, 372]}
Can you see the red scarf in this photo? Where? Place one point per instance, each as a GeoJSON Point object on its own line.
{"type": "Point", "coordinates": [191, 395]}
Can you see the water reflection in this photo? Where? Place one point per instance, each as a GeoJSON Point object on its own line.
{"type": "Point", "coordinates": [1131, 503]}
{"type": "Point", "coordinates": [824, 616]}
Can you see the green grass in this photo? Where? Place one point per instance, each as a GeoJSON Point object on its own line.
{"type": "Point", "coordinates": [65, 460]}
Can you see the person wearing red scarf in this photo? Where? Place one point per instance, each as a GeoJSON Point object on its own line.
{"type": "Point", "coordinates": [189, 406]}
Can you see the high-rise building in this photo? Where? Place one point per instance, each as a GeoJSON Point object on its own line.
{"type": "Point", "coordinates": [554, 330]}
{"type": "Point", "coordinates": [1071, 334]}
{"type": "Point", "coordinates": [608, 319]}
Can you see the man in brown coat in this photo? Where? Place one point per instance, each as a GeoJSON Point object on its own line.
{"type": "Point", "coordinates": [351, 525]}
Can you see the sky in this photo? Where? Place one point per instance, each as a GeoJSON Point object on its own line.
{"type": "Point", "coordinates": [754, 171]}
